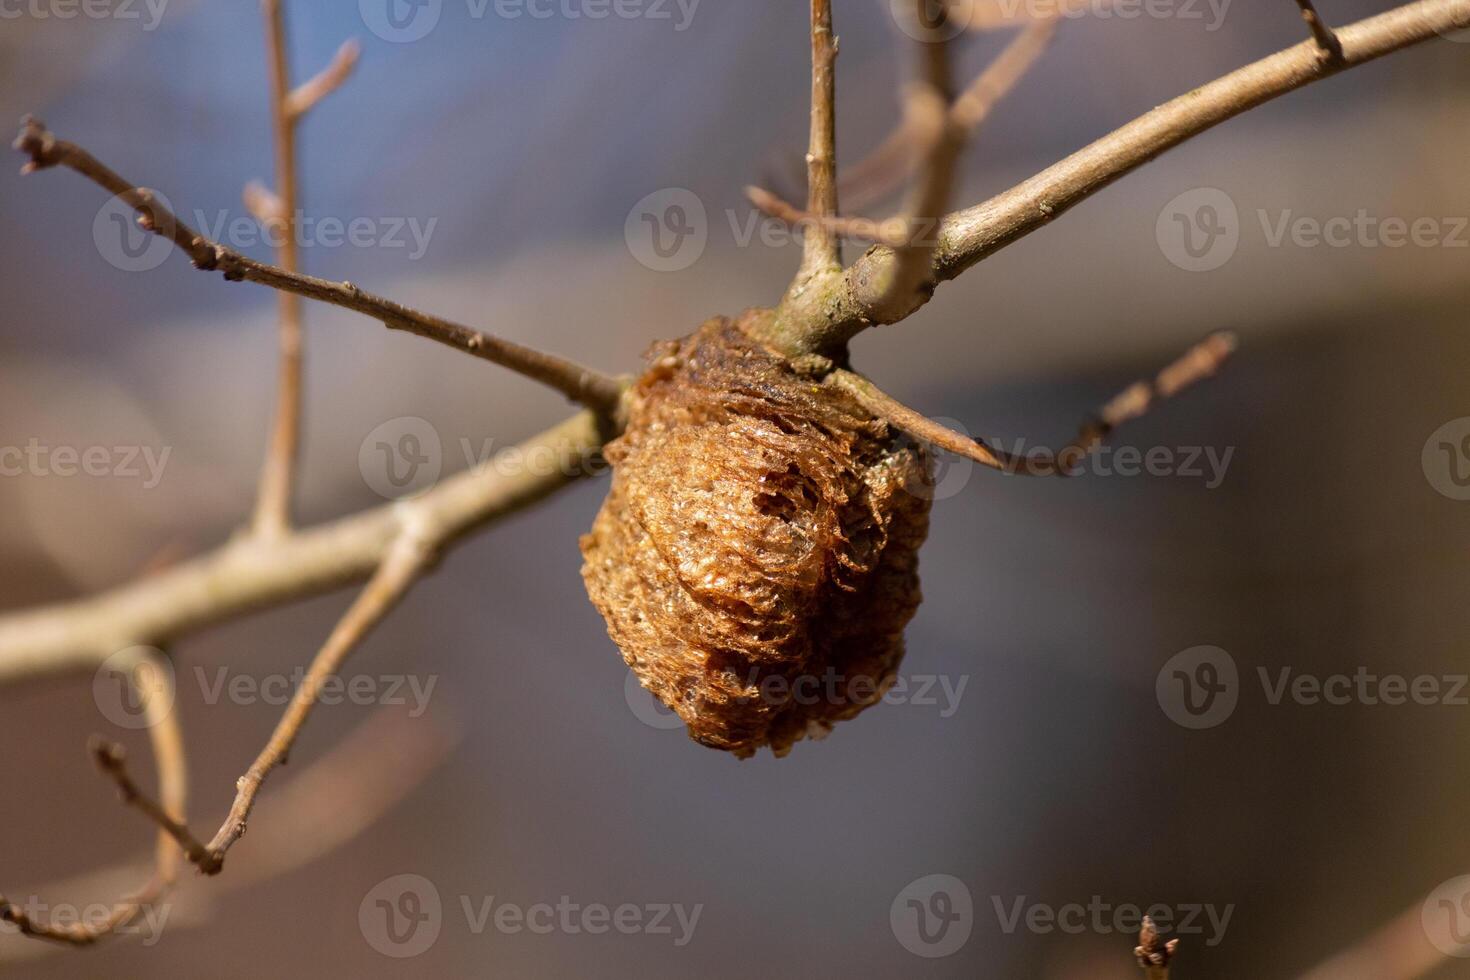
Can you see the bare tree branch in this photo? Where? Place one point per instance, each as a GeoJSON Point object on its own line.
{"type": "Point", "coordinates": [111, 760]}
{"type": "Point", "coordinates": [150, 681]}
{"type": "Point", "coordinates": [415, 548]}
{"type": "Point", "coordinates": [593, 389]}
{"type": "Point", "coordinates": [819, 320]}
{"type": "Point", "coordinates": [929, 105]}
{"type": "Point", "coordinates": [407, 557]}
{"type": "Point", "coordinates": [321, 808]}
{"type": "Point", "coordinates": [250, 573]}
{"type": "Point", "coordinates": [821, 250]}
{"type": "Point", "coordinates": [278, 472]}
{"type": "Point", "coordinates": [1200, 362]}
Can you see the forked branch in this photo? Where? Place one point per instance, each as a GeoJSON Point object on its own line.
{"type": "Point", "coordinates": [824, 320]}
{"type": "Point", "coordinates": [151, 683]}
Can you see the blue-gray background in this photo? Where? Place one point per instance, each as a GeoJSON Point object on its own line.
{"type": "Point", "coordinates": [1057, 779]}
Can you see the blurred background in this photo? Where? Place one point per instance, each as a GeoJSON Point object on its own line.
{"type": "Point", "coordinates": [1305, 514]}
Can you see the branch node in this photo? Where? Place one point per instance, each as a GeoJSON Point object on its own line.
{"type": "Point", "coordinates": [1329, 47]}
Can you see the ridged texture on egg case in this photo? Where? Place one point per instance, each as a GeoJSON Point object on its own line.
{"type": "Point", "coordinates": [756, 558]}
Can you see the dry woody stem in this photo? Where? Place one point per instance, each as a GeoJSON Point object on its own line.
{"type": "Point", "coordinates": [288, 107]}
{"type": "Point", "coordinates": [149, 679]}
{"type": "Point", "coordinates": [821, 250]}
{"type": "Point", "coordinates": [1200, 362]}
{"type": "Point", "coordinates": [584, 385]}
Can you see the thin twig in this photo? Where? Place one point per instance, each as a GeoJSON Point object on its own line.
{"type": "Point", "coordinates": [890, 231]}
{"type": "Point", "coordinates": [909, 272]}
{"type": "Point", "coordinates": [1327, 42]}
{"type": "Point", "coordinates": [584, 385]}
{"type": "Point", "coordinates": [1198, 363]}
{"type": "Point", "coordinates": [821, 249]}
{"type": "Point", "coordinates": [1154, 955]}
{"type": "Point", "coordinates": [278, 471]}
{"type": "Point", "coordinates": [304, 97]}
{"type": "Point", "coordinates": [406, 559]}
{"type": "Point", "coordinates": [329, 803]}
{"type": "Point", "coordinates": [886, 167]}
{"type": "Point", "coordinates": [111, 761]}
{"type": "Point", "coordinates": [263, 203]}
{"type": "Point", "coordinates": [1002, 75]}
{"type": "Point", "coordinates": [151, 683]}
{"type": "Point", "coordinates": [404, 562]}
